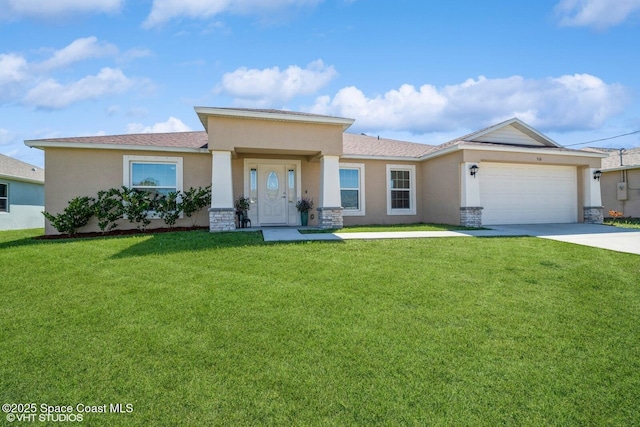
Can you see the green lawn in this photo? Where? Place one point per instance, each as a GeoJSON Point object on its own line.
{"type": "Point", "coordinates": [222, 329]}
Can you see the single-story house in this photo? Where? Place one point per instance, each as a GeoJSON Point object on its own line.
{"type": "Point", "coordinates": [21, 195]}
{"type": "Point", "coordinates": [620, 182]}
{"type": "Point", "coordinates": [506, 173]}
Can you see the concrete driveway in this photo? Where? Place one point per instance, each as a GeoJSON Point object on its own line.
{"type": "Point", "coordinates": [595, 235]}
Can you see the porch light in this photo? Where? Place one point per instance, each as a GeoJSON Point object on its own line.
{"type": "Point", "coordinates": [597, 174]}
{"type": "Point", "coordinates": [474, 170]}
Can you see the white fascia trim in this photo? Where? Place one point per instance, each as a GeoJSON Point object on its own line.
{"type": "Point", "coordinates": [42, 145]}
{"type": "Point", "coordinates": [247, 114]}
{"type": "Point", "coordinates": [620, 168]}
{"type": "Point", "coordinates": [532, 151]}
{"type": "Point", "coordinates": [387, 158]}
{"type": "Point", "coordinates": [21, 179]}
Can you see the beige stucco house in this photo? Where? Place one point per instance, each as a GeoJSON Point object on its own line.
{"type": "Point", "coordinates": [507, 173]}
{"type": "Point", "coordinates": [620, 182]}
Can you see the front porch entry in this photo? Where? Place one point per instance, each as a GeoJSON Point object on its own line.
{"type": "Point", "coordinates": [273, 187]}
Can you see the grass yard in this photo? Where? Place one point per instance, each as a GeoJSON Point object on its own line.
{"type": "Point", "coordinates": [222, 329]}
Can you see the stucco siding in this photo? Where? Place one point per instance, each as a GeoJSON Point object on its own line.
{"type": "Point", "coordinates": [441, 189]}
{"type": "Point", "coordinates": [71, 173]}
{"type": "Point", "coordinates": [609, 189]}
{"type": "Point", "coordinates": [376, 195]}
{"type": "Point", "coordinates": [533, 158]}
{"type": "Point", "coordinates": [242, 135]}
{"type": "Point", "coordinates": [25, 206]}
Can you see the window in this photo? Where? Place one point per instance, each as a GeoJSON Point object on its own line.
{"type": "Point", "coordinates": [4, 198]}
{"type": "Point", "coordinates": [401, 195]}
{"type": "Point", "coordinates": [159, 175]}
{"type": "Point", "coordinates": [352, 189]}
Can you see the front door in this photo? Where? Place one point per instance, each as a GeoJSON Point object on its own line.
{"type": "Point", "coordinates": [272, 194]}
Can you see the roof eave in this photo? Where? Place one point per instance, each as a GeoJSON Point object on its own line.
{"type": "Point", "coordinates": [204, 112]}
{"type": "Point", "coordinates": [60, 144]}
{"type": "Point", "coordinates": [542, 150]}
{"type": "Point", "coordinates": [21, 179]}
{"type": "Point", "coordinates": [621, 168]}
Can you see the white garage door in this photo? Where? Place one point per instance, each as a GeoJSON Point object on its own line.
{"type": "Point", "coordinates": [528, 194]}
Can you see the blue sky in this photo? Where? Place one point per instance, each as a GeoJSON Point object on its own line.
{"type": "Point", "coordinates": [420, 71]}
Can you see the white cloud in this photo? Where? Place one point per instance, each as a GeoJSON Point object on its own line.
{"type": "Point", "coordinates": [49, 9]}
{"type": "Point", "coordinates": [13, 74]}
{"type": "Point", "coordinates": [171, 125]}
{"type": "Point", "coordinates": [79, 50]}
{"type": "Point", "coordinates": [596, 13]}
{"type": "Point", "coordinates": [13, 68]}
{"type": "Point", "coordinates": [166, 10]}
{"type": "Point", "coordinates": [568, 102]}
{"type": "Point", "coordinates": [269, 85]}
{"type": "Point", "coordinates": [5, 137]}
{"type": "Point", "coordinates": [51, 94]}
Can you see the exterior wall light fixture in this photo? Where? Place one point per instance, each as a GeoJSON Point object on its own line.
{"type": "Point", "coordinates": [473, 170]}
{"type": "Point", "coordinates": [597, 174]}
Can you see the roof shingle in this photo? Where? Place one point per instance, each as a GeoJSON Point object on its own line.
{"type": "Point", "coordinates": [11, 167]}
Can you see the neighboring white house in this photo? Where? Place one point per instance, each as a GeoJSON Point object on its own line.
{"type": "Point", "coordinates": [21, 195]}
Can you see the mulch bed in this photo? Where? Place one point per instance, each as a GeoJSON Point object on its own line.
{"type": "Point", "coordinates": [118, 233]}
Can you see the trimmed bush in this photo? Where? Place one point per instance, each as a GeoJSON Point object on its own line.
{"type": "Point", "coordinates": [77, 214]}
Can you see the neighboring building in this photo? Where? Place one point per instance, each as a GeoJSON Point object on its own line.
{"type": "Point", "coordinates": [507, 173]}
{"type": "Point", "coordinates": [620, 181]}
{"type": "Point", "coordinates": [21, 195]}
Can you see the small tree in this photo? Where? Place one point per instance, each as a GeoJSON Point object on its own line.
{"type": "Point", "coordinates": [108, 209]}
{"type": "Point", "coordinates": [77, 214]}
{"type": "Point", "coordinates": [194, 200]}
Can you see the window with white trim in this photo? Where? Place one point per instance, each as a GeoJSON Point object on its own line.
{"type": "Point", "coordinates": [401, 194]}
{"type": "Point", "coordinates": [4, 198]}
{"type": "Point", "coordinates": [159, 175]}
{"type": "Point", "coordinates": [352, 189]}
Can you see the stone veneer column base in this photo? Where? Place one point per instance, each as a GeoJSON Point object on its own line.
{"type": "Point", "coordinates": [471, 216]}
{"type": "Point", "coordinates": [222, 219]}
{"type": "Point", "coordinates": [330, 218]}
{"type": "Point", "coordinates": [593, 214]}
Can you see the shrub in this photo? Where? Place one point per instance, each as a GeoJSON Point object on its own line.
{"type": "Point", "coordinates": [194, 200]}
{"type": "Point", "coordinates": [108, 209]}
{"type": "Point", "coordinates": [77, 214]}
{"type": "Point", "coordinates": [136, 206]}
{"type": "Point", "coordinates": [169, 208]}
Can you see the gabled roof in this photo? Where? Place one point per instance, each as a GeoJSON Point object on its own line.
{"type": "Point", "coordinates": [174, 141]}
{"type": "Point", "coordinates": [630, 158]}
{"type": "Point", "coordinates": [11, 168]}
{"type": "Point", "coordinates": [264, 114]}
{"type": "Point", "coordinates": [503, 133]}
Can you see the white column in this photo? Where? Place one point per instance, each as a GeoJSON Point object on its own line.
{"type": "Point", "coordinates": [221, 180]}
{"type": "Point", "coordinates": [330, 182]}
{"type": "Point", "coordinates": [469, 186]}
{"type": "Point", "coordinates": [591, 186]}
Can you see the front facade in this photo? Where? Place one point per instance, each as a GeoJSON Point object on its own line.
{"type": "Point", "coordinates": [507, 173]}
{"type": "Point", "coordinates": [21, 195]}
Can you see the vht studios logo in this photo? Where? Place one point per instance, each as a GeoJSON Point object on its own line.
{"type": "Point", "coordinates": [120, 408]}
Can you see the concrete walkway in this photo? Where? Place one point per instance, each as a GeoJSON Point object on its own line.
{"type": "Point", "coordinates": [598, 236]}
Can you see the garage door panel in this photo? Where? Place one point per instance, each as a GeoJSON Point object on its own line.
{"type": "Point", "coordinates": [528, 194]}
